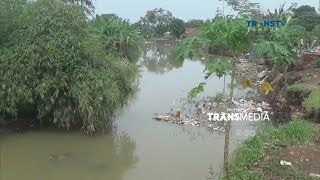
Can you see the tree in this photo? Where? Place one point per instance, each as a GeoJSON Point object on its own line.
{"type": "Point", "coordinates": [245, 8]}
{"type": "Point", "coordinates": [119, 37]}
{"type": "Point", "coordinates": [306, 16]}
{"type": "Point", "coordinates": [177, 27]}
{"type": "Point", "coordinates": [86, 5]}
{"type": "Point", "coordinates": [9, 12]}
{"type": "Point", "coordinates": [54, 70]}
{"type": "Point", "coordinates": [157, 19]}
{"type": "Point", "coordinates": [232, 33]}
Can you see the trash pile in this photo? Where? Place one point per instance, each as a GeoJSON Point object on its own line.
{"type": "Point", "coordinates": [208, 105]}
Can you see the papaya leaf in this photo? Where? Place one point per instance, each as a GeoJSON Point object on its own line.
{"type": "Point", "coordinates": [218, 67]}
{"type": "Point", "coordinates": [196, 90]}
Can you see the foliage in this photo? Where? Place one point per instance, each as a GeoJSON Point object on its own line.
{"type": "Point", "coordinates": [245, 8]}
{"type": "Point", "coordinates": [52, 67]}
{"type": "Point", "coordinates": [316, 35]}
{"type": "Point", "coordinates": [307, 17]}
{"type": "Point", "coordinates": [299, 87]}
{"type": "Point", "coordinates": [156, 22]}
{"type": "Point", "coordinates": [277, 44]}
{"type": "Point", "coordinates": [312, 101]}
{"type": "Point", "coordinates": [87, 5]}
{"type": "Point", "coordinates": [196, 90]}
{"type": "Point", "coordinates": [241, 164]}
{"type": "Point", "coordinates": [281, 13]}
{"type": "Point", "coordinates": [231, 33]}
{"type": "Point", "coordinates": [219, 67]}
{"type": "Point", "coordinates": [119, 37]}
{"type": "Point", "coordinates": [9, 13]}
{"type": "Point", "coordinates": [177, 27]}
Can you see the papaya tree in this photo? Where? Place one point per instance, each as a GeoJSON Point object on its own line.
{"type": "Point", "coordinates": [231, 33]}
{"type": "Point", "coordinates": [234, 34]}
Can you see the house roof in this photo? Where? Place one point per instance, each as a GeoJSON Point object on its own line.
{"type": "Point", "coordinates": [190, 31]}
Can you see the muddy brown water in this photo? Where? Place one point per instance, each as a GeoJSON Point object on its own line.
{"type": "Point", "coordinates": [141, 148]}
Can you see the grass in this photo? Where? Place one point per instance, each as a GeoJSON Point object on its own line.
{"type": "Point", "coordinates": [312, 101]}
{"type": "Point", "coordinates": [242, 162]}
{"type": "Point", "coordinates": [286, 172]}
{"type": "Point", "coordinates": [300, 87]}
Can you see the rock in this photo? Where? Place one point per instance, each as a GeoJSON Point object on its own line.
{"type": "Point", "coordinates": [262, 74]}
{"type": "Point", "coordinates": [285, 163]}
{"type": "Point", "coordinates": [177, 114]}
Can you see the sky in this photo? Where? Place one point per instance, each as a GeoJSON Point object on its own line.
{"type": "Point", "coordinates": [183, 9]}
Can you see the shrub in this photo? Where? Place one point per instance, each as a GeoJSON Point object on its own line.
{"type": "Point", "coordinates": [52, 67]}
{"type": "Point", "coordinates": [118, 36]}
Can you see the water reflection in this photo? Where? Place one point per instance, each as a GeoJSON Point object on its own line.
{"type": "Point", "coordinates": [160, 58]}
{"type": "Point", "coordinates": [25, 156]}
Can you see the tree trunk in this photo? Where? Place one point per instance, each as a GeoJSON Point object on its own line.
{"type": "Point", "coordinates": [228, 127]}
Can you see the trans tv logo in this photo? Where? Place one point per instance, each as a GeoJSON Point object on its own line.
{"type": "Point", "coordinates": [266, 23]}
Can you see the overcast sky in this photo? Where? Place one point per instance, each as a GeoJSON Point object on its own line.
{"type": "Point", "coordinates": [184, 9]}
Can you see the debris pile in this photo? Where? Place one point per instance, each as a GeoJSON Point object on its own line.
{"type": "Point", "coordinates": [208, 105]}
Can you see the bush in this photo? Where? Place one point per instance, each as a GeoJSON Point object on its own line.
{"type": "Point", "coordinates": [118, 36]}
{"type": "Point", "coordinates": [52, 67]}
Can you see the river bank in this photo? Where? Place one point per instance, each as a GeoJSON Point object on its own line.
{"type": "Point", "coordinates": [289, 151]}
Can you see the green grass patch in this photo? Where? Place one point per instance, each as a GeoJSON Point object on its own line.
{"type": "Point", "coordinates": [286, 172]}
{"type": "Point", "coordinates": [242, 161]}
{"type": "Point", "coordinates": [312, 101]}
{"type": "Point", "coordinates": [300, 87]}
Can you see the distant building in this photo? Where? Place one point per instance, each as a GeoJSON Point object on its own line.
{"type": "Point", "coordinates": [189, 32]}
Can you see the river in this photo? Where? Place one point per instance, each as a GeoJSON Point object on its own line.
{"type": "Point", "coordinates": [140, 148]}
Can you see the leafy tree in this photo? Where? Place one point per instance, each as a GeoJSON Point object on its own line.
{"type": "Point", "coordinates": [245, 8]}
{"type": "Point", "coordinates": [316, 33]}
{"type": "Point", "coordinates": [273, 43]}
{"type": "Point", "coordinates": [52, 68]}
{"type": "Point", "coordinates": [177, 27]}
{"type": "Point", "coordinates": [9, 13]}
{"type": "Point", "coordinates": [157, 19]}
{"type": "Point", "coordinates": [119, 36]}
{"type": "Point", "coordinates": [307, 17]}
{"type": "Point", "coordinates": [231, 33]}
{"type": "Point", "coordinates": [281, 13]}
{"type": "Point", "coordinates": [87, 5]}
